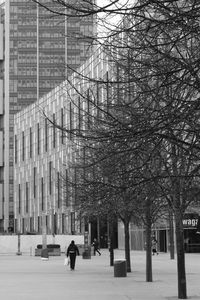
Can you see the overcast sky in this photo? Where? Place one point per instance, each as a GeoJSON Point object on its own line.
{"type": "Point", "coordinates": [108, 22]}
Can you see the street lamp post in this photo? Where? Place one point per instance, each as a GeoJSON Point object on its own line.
{"type": "Point", "coordinates": [44, 232]}
{"type": "Point", "coordinates": [18, 244]}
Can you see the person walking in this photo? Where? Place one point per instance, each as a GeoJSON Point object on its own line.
{"type": "Point", "coordinates": [72, 251]}
{"type": "Point", "coordinates": [154, 246]}
{"type": "Point", "coordinates": [95, 244]}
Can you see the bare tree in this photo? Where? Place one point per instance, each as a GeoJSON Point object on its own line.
{"type": "Point", "coordinates": [155, 92]}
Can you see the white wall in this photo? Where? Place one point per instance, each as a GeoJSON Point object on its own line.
{"type": "Point", "coordinates": [1, 201]}
{"type": "Point", "coordinates": [1, 148]}
{"type": "Point", "coordinates": [1, 96]}
{"type": "Point", "coordinates": [9, 243]}
{"type": "Point", "coordinates": [1, 41]}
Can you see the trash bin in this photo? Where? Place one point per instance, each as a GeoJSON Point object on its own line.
{"type": "Point", "coordinates": [86, 253]}
{"type": "Point", "coordinates": [120, 268]}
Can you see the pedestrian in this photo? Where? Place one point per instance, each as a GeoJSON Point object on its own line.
{"type": "Point", "coordinates": [154, 246]}
{"type": "Point", "coordinates": [72, 251]}
{"type": "Point", "coordinates": [95, 244]}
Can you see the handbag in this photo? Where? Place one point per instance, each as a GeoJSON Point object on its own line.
{"type": "Point", "coordinates": [66, 261]}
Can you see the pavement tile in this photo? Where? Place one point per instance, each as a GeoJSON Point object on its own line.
{"type": "Point", "coordinates": [29, 278]}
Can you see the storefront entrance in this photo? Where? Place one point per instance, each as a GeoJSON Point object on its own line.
{"type": "Point", "coordinates": [100, 231]}
{"type": "Point", "coordinates": [191, 241]}
{"type": "Point", "coordinates": [191, 235]}
{"type": "Point", "coordinates": [162, 241]}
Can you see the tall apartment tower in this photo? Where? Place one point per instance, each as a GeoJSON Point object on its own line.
{"type": "Point", "coordinates": [35, 48]}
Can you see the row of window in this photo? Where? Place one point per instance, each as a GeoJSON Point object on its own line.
{"type": "Point", "coordinates": [31, 83]}
{"type": "Point", "coordinates": [53, 185]}
{"type": "Point", "coordinates": [55, 224]}
{"type": "Point", "coordinates": [25, 145]}
{"type": "Point", "coordinates": [41, 138]}
{"type": "Point", "coordinates": [30, 59]}
{"type": "Point", "coordinates": [24, 200]}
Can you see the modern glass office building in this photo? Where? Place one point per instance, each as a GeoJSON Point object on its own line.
{"type": "Point", "coordinates": [43, 154]}
{"type": "Point", "coordinates": [35, 49]}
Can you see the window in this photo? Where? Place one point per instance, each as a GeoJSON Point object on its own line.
{"type": "Point", "coordinates": [39, 224]}
{"type": "Point", "coordinates": [27, 198]}
{"type": "Point", "coordinates": [34, 182]}
{"type": "Point", "coordinates": [23, 146]}
{"type": "Point", "coordinates": [70, 120]}
{"type": "Point", "coordinates": [50, 171]}
{"type": "Point", "coordinates": [88, 108]}
{"type": "Point", "coordinates": [54, 131]}
{"type": "Point", "coordinates": [46, 135]}
{"type": "Point", "coordinates": [75, 188]}
{"type": "Point", "coordinates": [58, 180]}
{"type": "Point", "coordinates": [63, 223]}
{"type": "Point", "coordinates": [30, 142]}
{"type": "Point", "coordinates": [72, 222]}
{"type": "Point", "coordinates": [62, 125]}
{"type": "Point", "coordinates": [15, 149]}
{"type": "Point", "coordinates": [67, 188]}
{"type": "Point", "coordinates": [42, 193]}
{"type": "Point", "coordinates": [19, 196]}
{"type": "Point", "coordinates": [79, 114]}
{"type": "Point", "coordinates": [38, 138]}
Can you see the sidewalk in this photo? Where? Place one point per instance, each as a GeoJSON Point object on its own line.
{"type": "Point", "coordinates": [28, 278]}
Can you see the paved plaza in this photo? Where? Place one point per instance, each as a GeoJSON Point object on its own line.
{"type": "Point", "coordinates": [28, 277]}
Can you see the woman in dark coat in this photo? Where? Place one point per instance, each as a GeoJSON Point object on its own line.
{"type": "Point", "coordinates": [72, 251]}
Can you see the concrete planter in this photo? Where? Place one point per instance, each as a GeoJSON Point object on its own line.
{"type": "Point", "coordinates": [51, 251]}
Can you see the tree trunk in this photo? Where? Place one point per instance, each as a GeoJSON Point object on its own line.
{"type": "Point", "coordinates": [111, 250]}
{"type": "Point", "coordinates": [182, 290]}
{"type": "Point", "coordinates": [171, 234]}
{"type": "Point", "coordinates": [127, 245]}
{"type": "Point", "coordinates": [149, 276]}
{"type": "Point", "coordinates": [111, 256]}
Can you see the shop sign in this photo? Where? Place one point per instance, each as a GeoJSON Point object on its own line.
{"type": "Point", "coordinates": [190, 221]}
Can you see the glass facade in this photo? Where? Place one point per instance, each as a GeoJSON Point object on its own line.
{"type": "Point", "coordinates": [41, 179]}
